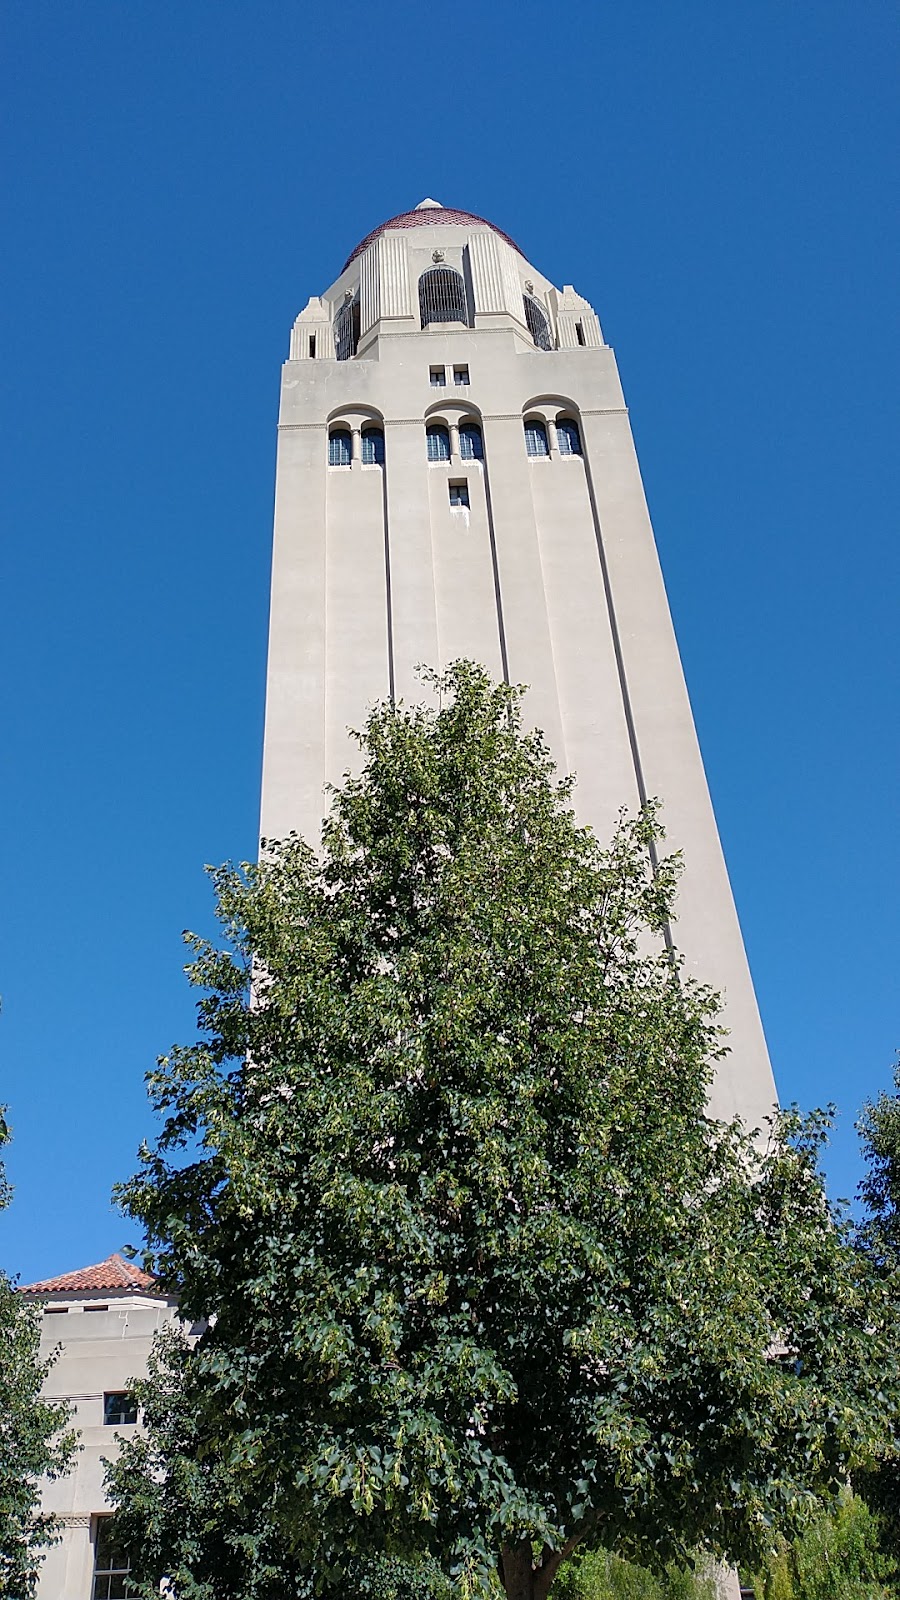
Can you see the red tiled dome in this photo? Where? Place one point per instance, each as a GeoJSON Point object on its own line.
{"type": "Point", "coordinates": [429, 215]}
{"type": "Point", "coordinates": [113, 1273]}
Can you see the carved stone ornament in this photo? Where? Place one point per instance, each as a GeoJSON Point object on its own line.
{"type": "Point", "coordinates": [348, 296]}
{"type": "Point", "coordinates": [74, 1519]}
{"type": "Point", "coordinates": [437, 255]}
{"type": "Point", "coordinates": [529, 286]}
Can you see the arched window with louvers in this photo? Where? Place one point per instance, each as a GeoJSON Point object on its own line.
{"type": "Point", "coordinates": [568, 436]}
{"type": "Point", "coordinates": [442, 297]}
{"type": "Point", "coordinates": [471, 442]}
{"type": "Point", "coordinates": [437, 440]}
{"type": "Point", "coordinates": [537, 322]}
{"type": "Point", "coordinates": [372, 444]}
{"type": "Point", "coordinates": [536, 441]}
{"type": "Point", "coordinates": [339, 447]}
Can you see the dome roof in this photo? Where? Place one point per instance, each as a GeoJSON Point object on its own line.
{"type": "Point", "coordinates": [428, 214]}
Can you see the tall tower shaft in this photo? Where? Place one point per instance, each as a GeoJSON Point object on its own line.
{"type": "Point", "coordinates": [457, 477]}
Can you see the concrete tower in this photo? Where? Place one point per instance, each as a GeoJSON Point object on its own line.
{"type": "Point", "coordinates": [457, 477]}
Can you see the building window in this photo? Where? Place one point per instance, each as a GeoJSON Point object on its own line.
{"type": "Point", "coordinates": [119, 1409]}
{"type": "Point", "coordinates": [461, 377]}
{"type": "Point", "coordinates": [459, 495]}
{"type": "Point", "coordinates": [346, 330]}
{"type": "Point", "coordinates": [536, 438]}
{"type": "Point", "coordinates": [537, 322]}
{"type": "Point", "coordinates": [111, 1565]}
{"type": "Point", "coordinates": [438, 441]}
{"type": "Point", "coordinates": [372, 447]}
{"type": "Point", "coordinates": [471, 443]}
{"type": "Point", "coordinates": [438, 376]}
{"type": "Point", "coordinates": [339, 450]}
{"type": "Point", "coordinates": [312, 347]}
{"type": "Point", "coordinates": [579, 332]}
{"type": "Point", "coordinates": [442, 296]}
{"type": "Point", "coordinates": [568, 436]}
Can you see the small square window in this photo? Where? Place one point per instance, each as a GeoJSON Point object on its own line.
{"type": "Point", "coordinates": [119, 1409]}
{"type": "Point", "coordinates": [460, 376]}
{"type": "Point", "coordinates": [438, 377]}
{"type": "Point", "coordinates": [459, 495]}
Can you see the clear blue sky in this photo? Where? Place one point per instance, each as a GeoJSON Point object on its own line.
{"type": "Point", "coordinates": [719, 180]}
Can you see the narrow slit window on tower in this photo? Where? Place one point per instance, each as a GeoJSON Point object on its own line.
{"type": "Point", "coordinates": [471, 443]}
{"type": "Point", "coordinates": [459, 495]}
{"type": "Point", "coordinates": [537, 322]}
{"type": "Point", "coordinates": [568, 436]}
{"type": "Point", "coordinates": [579, 332]}
{"type": "Point", "coordinates": [461, 377]}
{"type": "Point", "coordinates": [312, 347]}
{"type": "Point", "coordinates": [372, 447]}
{"type": "Point", "coordinates": [339, 447]}
{"type": "Point", "coordinates": [437, 438]}
{"type": "Point", "coordinates": [438, 377]}
{"type": "Point", "coordinates": [536, 443]}
{"type": "Point", "coordinates": [442, 296]}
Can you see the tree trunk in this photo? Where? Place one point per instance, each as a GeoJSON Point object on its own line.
{"type": "Point", "coordinates": [522, 1580]}
{"type": "Point", "coordinates": [518, 1573]}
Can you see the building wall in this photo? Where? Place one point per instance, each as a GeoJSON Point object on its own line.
{"type": "Point", "coordinates": [551, 578]}
{"type": "Point", "coordinates": [100, 1351]}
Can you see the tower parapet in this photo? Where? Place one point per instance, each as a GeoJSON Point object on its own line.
{"type": "Point", "coordinates": [430, 269]}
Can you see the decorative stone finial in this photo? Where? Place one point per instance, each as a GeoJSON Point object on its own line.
{"type": "Point", "coordinates": [429, 205]}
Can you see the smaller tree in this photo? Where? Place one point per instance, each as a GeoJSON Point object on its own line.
{"type": "Point", "coordinates": [839, 1556]}
{"type": "Point", "coordinates": [879, 1127]}
{"type": "Point", "coordinates": [34, 1441]}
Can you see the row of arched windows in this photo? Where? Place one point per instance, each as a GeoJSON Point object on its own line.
{"type": "Point", "coordinates": [442, 298]}
{"type": "Point", "coordinates": [438, 444]}
{"type": "Point", "coordinates": [568, 438]}
{"type": "Point", "coordinates": [471, 442]}
{"type": "Point", "coordinates": [340, 447]}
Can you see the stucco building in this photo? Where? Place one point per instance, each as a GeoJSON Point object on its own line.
{"type": "Point", "coordinates": [102, 1320]}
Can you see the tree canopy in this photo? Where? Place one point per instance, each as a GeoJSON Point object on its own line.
{"type": "Point", "coordinates": [482, 1279]}
{"type": "Point", "coordinates": [34, 1441]}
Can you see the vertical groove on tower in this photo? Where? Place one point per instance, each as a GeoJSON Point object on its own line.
{"type": "Point", "coordinates": [627, 707]}
{"type": "Point", "coordinates": [392, 688]}
{"type": "Point", "coordinates": [369, 288]}
{"type": "Point", "coordinates": [394, 275]}
{"type": "Point", "coordinates": [495, 568]}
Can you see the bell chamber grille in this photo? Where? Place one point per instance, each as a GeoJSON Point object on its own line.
{"type": "Point", "coordinates": [346, 330]}
{"type": "Point", "coordinates": [442, 296]}
{"type": "Point", "coordinates": [537, 323]}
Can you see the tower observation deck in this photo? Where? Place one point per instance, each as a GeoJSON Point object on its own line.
{"type": "Point", "coordinates": [456, 476]}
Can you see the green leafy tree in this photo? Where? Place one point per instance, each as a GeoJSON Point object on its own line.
{"type": "Point", "coordinates": [484, 1280]}
{"type": "Point", "coordinates": [34, 1441]}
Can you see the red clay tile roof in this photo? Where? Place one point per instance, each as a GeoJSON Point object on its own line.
{"type": "Point", "coordinates": [428, 217]}
{"type": "Point", "coordinates": [113, 1273]}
